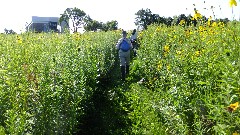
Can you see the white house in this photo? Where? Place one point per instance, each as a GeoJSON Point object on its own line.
{"type": "Point", "coordinates": [45, 24]}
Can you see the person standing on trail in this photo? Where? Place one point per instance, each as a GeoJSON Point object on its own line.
{"type": "Point", "coordinates": [124, 46]}
{"type": "Point", "coordinates": [133, 39]}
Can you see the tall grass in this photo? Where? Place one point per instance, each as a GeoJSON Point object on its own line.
{"type": "Point", "coordinates": [185, 80]}
{"type": "Point", "coordinates": [46, 77]}
{"type": "Point", "coordinates": [192, 75]}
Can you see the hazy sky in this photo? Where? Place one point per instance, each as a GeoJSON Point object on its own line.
{"type": "Point", "coordinates": [15, 14]}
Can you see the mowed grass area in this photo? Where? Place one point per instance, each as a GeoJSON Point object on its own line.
{"type": "Point", "coordinates": [185, 80]}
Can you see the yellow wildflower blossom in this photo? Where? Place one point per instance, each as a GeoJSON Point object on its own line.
{"type": "Point", "coordinates": [209, 21]}
{"type": "Point", "coordinates": [168, 67]}
{"type": "Point", "coordinates": [182, 22]}
{"type": "Point", "coordinates": [159, 66]}
{"type": "Point", "coordinates": [235, 133]}
{"type": "Point", "coordinates": [201, 28]}
{"type": "Point", "coordinates": [197, 15]}
{"type": "Point", "coordinates": [140, 35]}
{"type": "Point", "coordinates": [197, 53]}
{"type": "Point", "coordinates": [19, 40]}
{"type": "Point", "coordinates": [232, 3]}
{"type": "Point", "coordinates": [188, 32]}
{"type": "Point", "coordinates": [77, 36]}
{"type": "Point", "coordinates": [166, 48]}
{"type": "Point", "coordinates": [179, 52]}
{"type": "Point", "coordinates": [158, 29]}
{"type": "Point", "coordinates": [221, 24]}
{"type": "Point", "coordinates": [233, 107]}
{"type": "Point", "coordinates": [214, 24]}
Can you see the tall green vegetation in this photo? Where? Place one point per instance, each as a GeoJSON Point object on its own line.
{"type": "Point", "coordinates": [46, 77]}
{"type": "Point", "coordinates": [191, 80]}
{"type": "Point", "coordinates": [185, 80]}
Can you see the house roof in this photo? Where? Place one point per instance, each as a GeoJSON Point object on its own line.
{"type": "Point", "coordinates": [36, 19]}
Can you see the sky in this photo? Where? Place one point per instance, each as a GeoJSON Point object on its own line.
{"type": "Point", "coordinates": [15, 14]}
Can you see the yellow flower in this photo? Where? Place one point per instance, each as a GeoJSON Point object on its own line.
{"type": "Point", "coordinates": [77, 36]}
{"type": "Point", "coordinates": [158, 29]}
{"type": "Point", "coordinates": [197, 15]}
{"type": "Point", "coordinates": [179, 52]}
{"type": "Point", "coordinates": [168, 67]}
{"type": "Point", "coordinates": [140, 35]}
{"type": "Point", "coordinates": [188, 32]}
{"type": "Point", "coordinates": [214, 24]}
{"type": "Point", "coordinates": [209, 21]}
{"type": "Point", "coordinates": [221, 24]}
{"type": "Point", "coordinates": [232, 3]}
{"type": "Point", "coordinates": [197, 53]}
{"type": "Point", "coordinates": [233, 107]}
{"type": "Point", "coordinates": [159, 66]}
{"type": "Point", "coordinates": [166, 48]}
{"type": "Point", "coordinates": [19, 40]}
{"type": "Point", "coordinates": [235, 133]}
{"type": "Point", "coordinates": [182, 22]}
{"type": "Point", "coordinates": [201, 28]}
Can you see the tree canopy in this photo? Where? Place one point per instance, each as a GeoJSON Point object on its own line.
{"type": "Point", "coordinates": [6, 31]}
{"type": "Point", "coordinates": [80, 19]}
{"type": "Point", "coordinates": [75, 15]}
{"type": "Point", "coordinates": [145, 17]}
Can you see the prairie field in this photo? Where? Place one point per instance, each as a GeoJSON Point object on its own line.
{"type": "Point", "coordinates": [185, 80]}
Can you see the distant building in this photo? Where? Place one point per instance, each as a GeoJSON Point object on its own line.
{"type": "Point", "coordinates": [45, 24]}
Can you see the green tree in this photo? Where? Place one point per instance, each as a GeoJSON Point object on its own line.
{"type": "Point", "coordinates": [75, 15]}
{"type": "Point", "coordinates": [144, 18]}
{"type": "Point", "coordinates": [110, 25]}
{"type": "Point", "coordinates": [168, 21]}
{"type": "Point", "coordinates": [92, 25]}
{"type": "Point", "coordinates": [6, 31]}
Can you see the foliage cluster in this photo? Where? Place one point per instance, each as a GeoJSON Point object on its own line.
{"type": "Point", "coordinates": [80, 19]}
{"type": "Point", "coordinates": [191, 80]}
{"type": "Point", "coordinates": [184, 80]}
{"type": "Point", "coordinates": [145, 17]}
{"type": "Point", "coordinates": [46, 78]}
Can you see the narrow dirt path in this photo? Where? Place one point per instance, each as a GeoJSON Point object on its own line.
{"type": "Point", "coordinates": [104, 114]}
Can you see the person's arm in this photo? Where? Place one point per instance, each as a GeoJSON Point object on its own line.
{"type": "Point", "coordinates": [128, 40]}
{"type": "Point", "coordinates": [131, 37]}
{"type": "Point", "coordinates": [135, 36]}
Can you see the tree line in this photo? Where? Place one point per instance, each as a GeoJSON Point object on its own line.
{"type": "Point", "coordinates": [144, 18]}
{"type": "Point", "coordinates": [79, 19]}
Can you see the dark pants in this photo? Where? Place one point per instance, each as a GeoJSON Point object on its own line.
{"type": "Point", "coordinates": [135, 47]}
{"type": "Point", "coordinates": [124, 71]}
